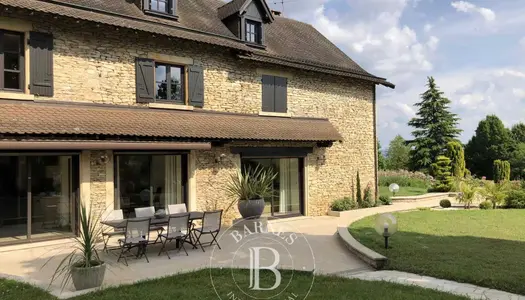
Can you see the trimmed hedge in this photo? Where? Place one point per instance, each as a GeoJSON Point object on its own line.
{"type": "Point", "coordinates": [445, 203]}
{"type": "Point", "coordinates": [343, 204]}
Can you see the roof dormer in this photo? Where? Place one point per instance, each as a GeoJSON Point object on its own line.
{"type": "Point", "coordinates": [160, 8]}
{"type": "Point", "coordinates": [246, 19]}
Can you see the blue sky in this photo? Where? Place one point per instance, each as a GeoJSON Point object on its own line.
{"type": "Point", "coordinates": [475, 49]}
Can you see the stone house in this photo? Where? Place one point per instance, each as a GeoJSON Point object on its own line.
{"type": "Point", "coordinates": [130, 103]}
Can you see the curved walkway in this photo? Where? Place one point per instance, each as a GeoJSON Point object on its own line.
{"type": "Point", "coordinates": [461, 289]}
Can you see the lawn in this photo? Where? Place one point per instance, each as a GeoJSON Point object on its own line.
{"type": "Point", "coordinates": [403, 191]}
{"type": "Point", "coordinates": [482, 247]}
{"type": "Point", "coordinates": [198, 286]}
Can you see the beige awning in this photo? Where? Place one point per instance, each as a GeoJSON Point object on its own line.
{"type": "Point", "coordinates": [99, 145]}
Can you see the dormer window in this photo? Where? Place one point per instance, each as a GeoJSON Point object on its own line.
{"type": "Point", "coordinates": [167, 8]}
{"type": "Point", "coordinates": [253, 31]}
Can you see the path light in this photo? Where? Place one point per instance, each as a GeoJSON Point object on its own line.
{"type": "Point", "coordinates": [394, 188]}
{"type": "Point", "coordinates": [386, 225]}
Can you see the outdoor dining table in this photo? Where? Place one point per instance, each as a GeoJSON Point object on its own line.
{"type": "Point", "coordinates": [155, 221]}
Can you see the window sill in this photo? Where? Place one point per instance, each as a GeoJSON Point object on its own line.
{"type": "Point", "coordinates": [16, 96]}
{"type": "Point", "coordinates": [161, 14]}
{"type": "Point", "coordinates": [170, 106]}
{"type": "Point", "coordinates": [275, 114]}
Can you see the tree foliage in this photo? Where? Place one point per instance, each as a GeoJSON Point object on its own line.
{"type": "Point", "coordinates": [398, 154]}
{"type": "Point", "coordinates": [434, 125]}
{"type": "Point", "coordinates": [491, 141]}
{"type": "Point", "coordinates": [501, 171]}
{"type": "Point", "coordinates": [517, 162]}
{"type": "Point", "coordinates": [456, 153]}
{"type": "Point", "coordinates": [518, 132]}
{"type": "Point", "coordinates": [359, 197]}
{"type": "Point", "coordinates": [442, 174]}
{"type": "Point", "coordinates": [381, 160]}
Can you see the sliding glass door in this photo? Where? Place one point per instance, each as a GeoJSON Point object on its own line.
{"type": "Point", "coordinates": [288, 191]}
{"type": "Point", "coordinates": [37, 197]}
{"type": "Point", "coordinates": [144, 180]}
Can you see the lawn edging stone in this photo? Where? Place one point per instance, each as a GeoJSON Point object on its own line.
{"type": "Point", "coordinates": [429, 196]}
{"type": "Point", "coordinates": [368, 255]}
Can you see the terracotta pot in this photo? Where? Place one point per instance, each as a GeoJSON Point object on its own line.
{"type": "Point", "coordinates": [88, 278]}
{"type": "Point", "coordinates": [251, 209]}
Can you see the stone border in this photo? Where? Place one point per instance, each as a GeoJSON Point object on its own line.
{"type": "Point", "coordinates": [369, 256]}
{"type": "Point", "coordinates": [429, 196]}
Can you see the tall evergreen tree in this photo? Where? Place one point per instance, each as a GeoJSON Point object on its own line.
{"type": "Point", "coordinates": [381, 161]}
{"type": "Point", "coordinates": [397, 156]}
{"type": "Point", "coordinates": [434, 125]}
{"type": "Point", "coordinates": [492, 141]}
{"type": "Point", "coordinates": [457, 158]}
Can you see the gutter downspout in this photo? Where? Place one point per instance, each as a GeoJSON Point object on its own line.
{"type": "Point", "coordinates": [376, 162]}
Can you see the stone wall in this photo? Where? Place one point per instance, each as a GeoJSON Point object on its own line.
{"type": "Point", "coordinates": [97, 64]}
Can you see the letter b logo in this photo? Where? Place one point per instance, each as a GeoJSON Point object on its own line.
{"type": "Point", "coordinates": [255, 267]}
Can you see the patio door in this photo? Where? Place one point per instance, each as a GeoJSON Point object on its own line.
{"type": "Point", "coordinates": [38, 197]}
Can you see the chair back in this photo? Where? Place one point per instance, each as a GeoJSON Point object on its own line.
{"type": "Point", "coordinates": [179, 223]}
{"type": "Point", "coordinates": [177, 209]}
{"type": "Point", "coordinates": [145, 212]}
{"type": "Point", "coordinates": [115, 215]}
{"type": "Point", "coordinates": [212, 220]}
{"type": "Point", "coordinates": [137, 229]}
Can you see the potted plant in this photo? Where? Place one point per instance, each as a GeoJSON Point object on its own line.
{"type": "Point", "coordinates": [83, 265]}
{"type": "Point", "coordinates": [249, 187]}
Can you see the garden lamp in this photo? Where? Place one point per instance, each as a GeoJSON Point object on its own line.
{"type": "Point", "coordinates": [393, 188]}
{"type": "Point", "coordinates": [386, 225]}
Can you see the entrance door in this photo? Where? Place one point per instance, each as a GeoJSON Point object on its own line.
{"type": "Point", "coordinates": [43, 187]}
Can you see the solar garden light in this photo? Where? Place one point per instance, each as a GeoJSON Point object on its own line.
{"type": "Point", "coordinates": [386, 225]}
{"type": "Point", "coordinates": [393, 188]}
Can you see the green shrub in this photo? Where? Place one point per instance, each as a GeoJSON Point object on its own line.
{"type": "Point", "coordinates": [515, 199]}
{"type": "Point", "coordinates": [445, 203]}
{"type": "Point", "coordinates": [359, 197]}
{"type": "Point", "coordinates": [501, 170]}
{"type": "Point", "coordinates": [485, 205]}
{"type": "Point", "coordinates": [343, 204]}
{"type": "Point", "coordinates": [385, 200]}
{"type": "Point", "coordinates": [441, 170]}
{"type": "Point", "coordinates": [368, 200]}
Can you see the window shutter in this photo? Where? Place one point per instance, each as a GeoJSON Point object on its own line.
{"type": "Point", "coordinates": [41, 64]}
{"type": "Point", "coordinates": [145, 77]}
{"type": "Point", "coordinates": [281, 94]}
{"type": "Point", "coordinates": [268, 94]}
{"type": "Point", "coordinates": [196, 86]}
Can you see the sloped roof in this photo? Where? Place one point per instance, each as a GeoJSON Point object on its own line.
{"type": "Point", "coordinates": [70, 119]}
{"type": "Point", "coordinates": [235, 6]}
{"type": "Point", "coordinates": [289, 42]}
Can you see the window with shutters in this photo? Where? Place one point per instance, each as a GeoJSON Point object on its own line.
{"type": "Point", "coordinates": [12, 62]}
{"type": "Point", "coordinates": [274, 94]}
{"type": "Point", "coordinates": [169, 83]}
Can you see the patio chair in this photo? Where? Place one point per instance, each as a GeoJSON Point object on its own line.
{"type": "Point", "coordinates": [136, 236]}
{"type": "Point", "coordinates": [178, 229]}
{"type": "Point", "coordinates": [149, 212]}
{"type": "Point", "coordinates": [113, 215]}
{"type": "Point", "coordinates": [211, 224]}
{"type": "Point", "coordinates": [177, 209]}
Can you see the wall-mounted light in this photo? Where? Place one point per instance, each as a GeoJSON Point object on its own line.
{"type": "Point", "coordinates": [221, 158]}
{"type": "Point", "coordinates": [101, 160]}
{"type": "Point", "coordinates": [321, 159]}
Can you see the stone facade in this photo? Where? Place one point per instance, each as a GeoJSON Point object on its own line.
{"type": "Point", "coordinates": [97, 64]}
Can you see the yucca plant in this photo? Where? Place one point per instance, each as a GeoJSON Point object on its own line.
{"type": "Point", "coordinates": [250, 184]}
{"type": "Point", "coordinates": [495, 192]}
{"type": "Point", "coordinates": [84, 254]}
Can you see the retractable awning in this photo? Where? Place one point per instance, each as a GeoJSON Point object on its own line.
{"type": "Point", "coordinates": [99, 145]}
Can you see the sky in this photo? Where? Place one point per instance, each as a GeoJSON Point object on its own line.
{"type": "Point", "coordinates": [474, 49]}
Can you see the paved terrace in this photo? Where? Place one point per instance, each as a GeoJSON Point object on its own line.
{"type": "Point", "coordinates": [331, 257]}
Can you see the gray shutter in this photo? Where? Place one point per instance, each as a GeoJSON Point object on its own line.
{"type": "Point", "coordinates": [196, 86]}
{"type": "Point", "coordinates": [41, 64]}
{"type": "Point", "coordinates": [268, 94]}
{"type": "Point", "coordinates": [145, 79]}
{"type": "Point", "coordinates": [281, 94]}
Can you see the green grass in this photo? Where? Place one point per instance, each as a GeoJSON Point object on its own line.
{"type": "Point", "coordinates": [198, 286]}
{"type": "Point", "coordinates": [403, 191]}
{"type": "Point", "coordinates": [482, 247]}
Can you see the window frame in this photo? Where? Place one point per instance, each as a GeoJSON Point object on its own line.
{"type": "Point", "coordinates": [171, 9]}
{"type": "Point", "coordinates": [257, 33]}
{"type": "Point", "coordinates": [184, 69]}
{"type": "Point", "coordinates": [22, 62]}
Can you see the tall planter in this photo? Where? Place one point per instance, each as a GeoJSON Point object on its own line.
{"type": "Point", "coordinates": [88, 278]}
{"type": "Point", "coordinates": [251, 209]}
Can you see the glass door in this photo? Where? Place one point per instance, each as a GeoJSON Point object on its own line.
{"type": "Point", "coordinates": [38, 196]}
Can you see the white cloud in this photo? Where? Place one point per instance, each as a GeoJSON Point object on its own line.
{"type": "Point", "coordinates": [467, 7]}
{"type": "Point", "coordinates": [428, 27]}
{"type": "Point", "coordinates": [518, 92]}
{"type": "Point", "coordinates": [522, 42]}
{"type": "Point", "coordinates": [433, 43]}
